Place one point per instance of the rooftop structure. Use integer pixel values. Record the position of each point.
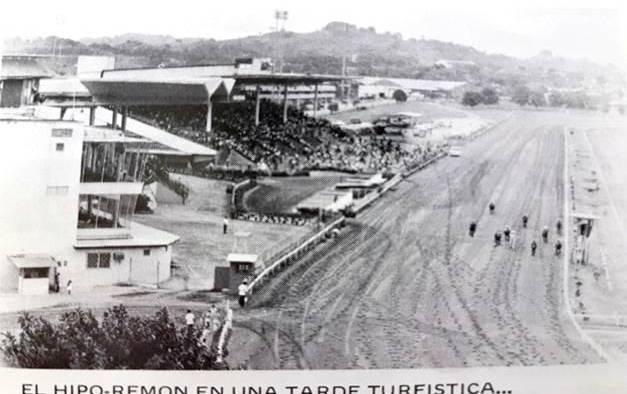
(384, 87)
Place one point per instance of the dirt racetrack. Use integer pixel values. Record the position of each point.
(405, 286)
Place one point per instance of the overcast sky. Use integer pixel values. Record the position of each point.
(575, 28)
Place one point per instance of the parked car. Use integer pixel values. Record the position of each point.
(454, 151)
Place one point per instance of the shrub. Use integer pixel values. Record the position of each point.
(399, 95)
(118, 341)
(489, 96)
(472, 99)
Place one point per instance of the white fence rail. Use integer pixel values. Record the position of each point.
(235, 188)
(294, 254)
(226, 327)
(615, 320)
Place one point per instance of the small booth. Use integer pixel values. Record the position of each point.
(242, 266)
(242, 263)
(583, 223)
(36, 273)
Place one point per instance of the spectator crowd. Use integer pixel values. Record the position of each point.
(302, 143)
(272, 219)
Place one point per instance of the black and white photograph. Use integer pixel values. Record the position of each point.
(281, 185)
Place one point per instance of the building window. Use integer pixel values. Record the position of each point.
(60, 147)
(98, 260)
(146, 252)
(105, 260)
(57, 190)
(62, 133)
(92, 260)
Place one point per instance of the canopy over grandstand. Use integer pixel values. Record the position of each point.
(195, 85)
(133, 91)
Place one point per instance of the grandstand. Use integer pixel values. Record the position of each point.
(230, 110)
(232, 114)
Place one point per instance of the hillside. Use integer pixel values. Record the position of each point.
(367, 51)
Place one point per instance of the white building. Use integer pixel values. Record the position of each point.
(68, 196)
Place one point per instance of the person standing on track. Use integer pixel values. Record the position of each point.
(558, 227)
(512, 240)
(190, 320)
(472, 228)
(225, 225)
(492, 207)
(545, 234)
(534, 246)
(558, 247)
(497, 238)
(242, 291)
(525, 219)
(507, 232)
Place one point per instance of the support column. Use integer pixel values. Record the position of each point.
(92, 116)
(116, 212)
(208, 125)
(316, 100)
(257, 104)
(124, 116)
(285, 103)
(114, 118)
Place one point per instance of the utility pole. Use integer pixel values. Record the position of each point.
(343, 77)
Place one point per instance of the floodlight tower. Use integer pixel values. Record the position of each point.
(280, 16)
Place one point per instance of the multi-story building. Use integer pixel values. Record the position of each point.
(68, 197)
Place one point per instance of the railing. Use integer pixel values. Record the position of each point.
(420, 166)
(224, 333)
(234, 173)
(372, 196)
(235, 190)
(276, 253)
(616, 320)
(295, 253)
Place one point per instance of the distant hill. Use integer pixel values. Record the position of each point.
(367, 51)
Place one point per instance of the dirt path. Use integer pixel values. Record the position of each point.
(405, 286)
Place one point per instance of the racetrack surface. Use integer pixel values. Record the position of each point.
(405, 286)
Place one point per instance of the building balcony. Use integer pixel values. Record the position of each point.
(134, 235)
(107, 188)
(93, 234)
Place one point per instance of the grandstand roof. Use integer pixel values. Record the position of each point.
(153, 89)
(134, 91)
(63, 87)
(281, 79)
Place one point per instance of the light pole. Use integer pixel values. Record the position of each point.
(280, 16)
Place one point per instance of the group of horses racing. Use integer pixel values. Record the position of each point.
(508, 235)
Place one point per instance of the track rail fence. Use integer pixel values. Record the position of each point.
(293, 256)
